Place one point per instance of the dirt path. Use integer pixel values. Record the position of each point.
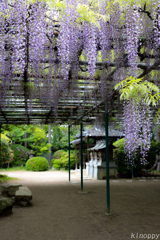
(58, 211)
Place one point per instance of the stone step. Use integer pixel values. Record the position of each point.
(9, 189)
(6, 205)
(23, 194)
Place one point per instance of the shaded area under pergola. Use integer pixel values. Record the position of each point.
(71, 109)
(85, 102)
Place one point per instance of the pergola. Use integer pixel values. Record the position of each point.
(81, 103)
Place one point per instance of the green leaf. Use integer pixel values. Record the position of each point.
(137, 89)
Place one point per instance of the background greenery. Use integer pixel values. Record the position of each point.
(21, 155)
(6, 153)
(124, 168)
(61, 160)
(35, 138)
(21, 141)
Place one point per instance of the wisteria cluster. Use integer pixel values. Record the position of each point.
(137, 130)
(40, 49)
(132, 31)
(156, 23)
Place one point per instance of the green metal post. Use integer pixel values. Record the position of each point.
(69, 163)
(107, 164)
(0, 143)
(81, 157)
(49, 141)
(132, 164)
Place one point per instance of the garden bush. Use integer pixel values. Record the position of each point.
(37, 164)
(61, 159)
(6, 152)
(57, 163)
(58, 154)
(124, 169)
(21, 155)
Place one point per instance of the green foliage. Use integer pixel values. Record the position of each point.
(37, 164)
(14, 132)
(124, 169)
(119, 143)
(37, 136)
(5, 178)
(61, 159)
(88, 15)
(58, 154)
(10, 169)
(138, 90)
(5, 137)
(59, 137)
(21, 155)
(6, 153)
(132, 88)
(57, 163)
(157, 117)
(154, 150)
(38, 140)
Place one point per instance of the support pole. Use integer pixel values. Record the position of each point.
(81, 156)
(0, 144)
(69, 168)
(76, 157)
(132, 164)
(107, 163)
(49, 141)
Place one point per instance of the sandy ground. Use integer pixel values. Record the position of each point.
(59, 212)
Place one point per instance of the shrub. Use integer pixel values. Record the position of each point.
(124, 170)
(21, 155)
(61, 159)
(57, 163)
(6, 152)
(58, 154)
(37, 164)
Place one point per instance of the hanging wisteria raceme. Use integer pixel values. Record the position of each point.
(105, 34)
(105, 42)
(4, 66)
(137, 130)
(130, 124)
(132, 31)
(90, 36)
(145, 132)
(26, 38)
(156, 23)
(68, 42)
(63, 47)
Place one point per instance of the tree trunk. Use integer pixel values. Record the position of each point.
(25, 143)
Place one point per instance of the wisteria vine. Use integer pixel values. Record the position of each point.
(40, 49)
(137, 130)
